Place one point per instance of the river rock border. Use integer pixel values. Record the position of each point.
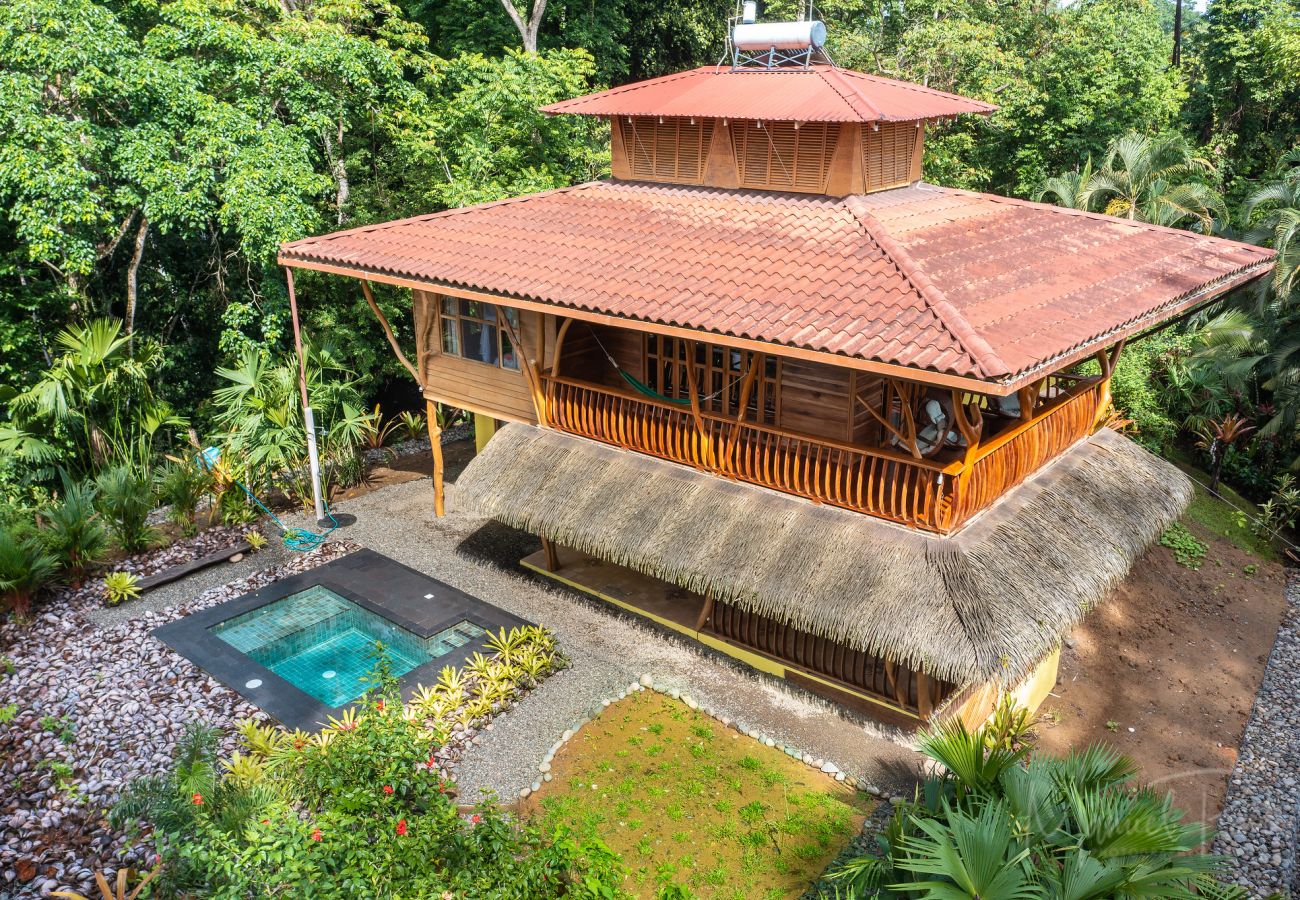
(1261, 812)
(648, 683)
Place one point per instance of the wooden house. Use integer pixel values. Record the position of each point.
(767, 387)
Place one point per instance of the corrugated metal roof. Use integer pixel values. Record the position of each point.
(816, 94)
(932, 278)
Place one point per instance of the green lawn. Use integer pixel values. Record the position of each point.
(689, 803)
(1219, 517)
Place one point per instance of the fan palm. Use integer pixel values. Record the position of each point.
(1272, 214)
(25, 569)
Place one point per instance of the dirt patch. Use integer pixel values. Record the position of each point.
(685, 801)
(456, 456)
(1167, 668)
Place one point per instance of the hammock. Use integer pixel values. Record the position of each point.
(640, 386)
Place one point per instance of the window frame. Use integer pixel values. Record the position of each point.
(455, 312)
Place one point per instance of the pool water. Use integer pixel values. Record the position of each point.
(324, 644)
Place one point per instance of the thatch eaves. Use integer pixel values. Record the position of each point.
(984, 604)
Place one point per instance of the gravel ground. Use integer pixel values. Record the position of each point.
(1258, 826)
(609, 650)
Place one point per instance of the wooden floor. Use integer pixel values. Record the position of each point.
(679, 610)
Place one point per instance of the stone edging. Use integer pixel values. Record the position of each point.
(647, 683)
(1261, 812)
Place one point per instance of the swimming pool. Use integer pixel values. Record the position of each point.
(328, 646)
(304, 647)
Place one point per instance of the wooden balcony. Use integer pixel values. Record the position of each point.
(933, 495)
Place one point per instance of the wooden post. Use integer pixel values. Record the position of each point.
(550, 555)
(924, 698)
(388, 333)
(706, 610)
(527, 365)
(435, 444)
(692, 385)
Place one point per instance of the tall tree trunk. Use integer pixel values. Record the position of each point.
(132, 280)
(527, 30)
(1178, 34)
(338, 168)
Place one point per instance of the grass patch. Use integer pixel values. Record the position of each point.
(697, 808)
(1222, 519)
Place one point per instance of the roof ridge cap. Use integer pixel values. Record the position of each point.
(852, 88)
(850, 74)
(981, 352)
(440, 214)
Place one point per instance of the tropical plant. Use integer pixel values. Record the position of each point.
(125, 498)
(380, 432)
(73, 530)
(1157, 179)
(256, 540)
(260, 408)
(1272, 214)
(1217, 438)
(120, 587)
(97, 394)
(996, 822)
(182, 485)
(26, 568)
(414, 424)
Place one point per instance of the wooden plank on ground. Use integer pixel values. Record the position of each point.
(166, 576)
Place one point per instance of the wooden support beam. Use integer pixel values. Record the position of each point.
(706, 610)
(527, 364)
(388, 333)
(435, 445)
(550, 555)
(559, 345)
(924, 694)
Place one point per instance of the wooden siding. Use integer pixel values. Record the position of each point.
(815, 399)
(467, 384)
(811, 157)
(891, 155)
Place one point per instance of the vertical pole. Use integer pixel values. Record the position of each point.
(435, 444)
(309, 420)
(550, 555)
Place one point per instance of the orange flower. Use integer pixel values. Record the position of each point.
(380, 706)
(197, 799)
(401, 828)
(475, 819)
(315, 835)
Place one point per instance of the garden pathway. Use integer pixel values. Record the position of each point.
(608, 650)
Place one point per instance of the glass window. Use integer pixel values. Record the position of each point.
(470, 330)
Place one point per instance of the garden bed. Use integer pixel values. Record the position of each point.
(687, 801)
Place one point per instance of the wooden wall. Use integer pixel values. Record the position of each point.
(475, 386)
(811, 157)
(815, 399)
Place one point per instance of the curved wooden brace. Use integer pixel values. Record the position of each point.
(388, 333)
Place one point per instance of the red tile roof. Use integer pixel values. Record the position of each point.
(925, 277)
(816, 94)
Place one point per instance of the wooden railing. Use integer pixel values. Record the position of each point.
(916, 492)
(1014, 455)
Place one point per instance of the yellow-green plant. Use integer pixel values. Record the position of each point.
(255, 539)
(413, 423)
(245, 770)
(260, 740)
(120, 587)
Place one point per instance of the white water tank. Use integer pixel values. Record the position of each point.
(781, 35)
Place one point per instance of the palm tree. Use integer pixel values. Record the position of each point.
(1158, 179)
(1219, 436)
(1272, 214)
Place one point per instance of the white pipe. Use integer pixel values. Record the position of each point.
(313, 462)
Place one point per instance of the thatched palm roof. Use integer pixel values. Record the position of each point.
(986, 603)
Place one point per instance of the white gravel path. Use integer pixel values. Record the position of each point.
(609, 650)
(1261, 812)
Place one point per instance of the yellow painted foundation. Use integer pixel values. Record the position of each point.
(484, 428)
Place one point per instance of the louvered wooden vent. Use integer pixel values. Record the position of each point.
(887, 154)
(777, 156)
(673, 150)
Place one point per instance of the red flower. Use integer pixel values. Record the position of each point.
(380, 706)
(315, 835)
(401, 828)
(197, 799)
(266, 821)
(475, 819)
(388, 789)
(432, 762)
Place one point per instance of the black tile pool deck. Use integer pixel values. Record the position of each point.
(252, 642)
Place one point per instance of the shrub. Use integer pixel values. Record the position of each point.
(1188, 550)
(1000, 823)
(414, 425)
(73, 530)
(125, 498)
(182, 485)
(26, 568)
(120, 587)
(360, 810)
(1139, 388)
